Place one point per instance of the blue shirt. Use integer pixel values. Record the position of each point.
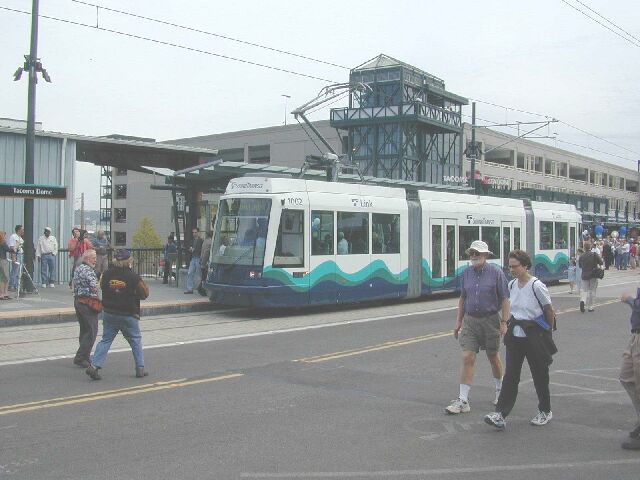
(483, 290)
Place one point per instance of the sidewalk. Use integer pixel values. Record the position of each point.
(55, 305)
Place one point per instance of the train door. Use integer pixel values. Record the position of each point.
(510, 240)
(353, 259)
(443, 253)
(573, 235)
(290, 258)
(323, 288)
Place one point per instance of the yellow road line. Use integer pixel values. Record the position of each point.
(373, 348)
(150, 387)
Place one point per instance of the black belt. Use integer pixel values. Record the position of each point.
(635, 330)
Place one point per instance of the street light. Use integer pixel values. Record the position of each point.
(285, 106)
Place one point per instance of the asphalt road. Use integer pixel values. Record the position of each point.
(360, 396)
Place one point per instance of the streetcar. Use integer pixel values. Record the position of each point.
(282, 242)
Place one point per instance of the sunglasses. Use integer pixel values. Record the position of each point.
(473, 253)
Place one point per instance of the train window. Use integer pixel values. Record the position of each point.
(561, 237)
(451, 250)
(572, 242)
(491, 236)
(290, 242)
(322, 232)
(516, 238)
(353, 233)
(546, 235)
(506, 245)
(385, 233)
(436, 251)
(467, 236)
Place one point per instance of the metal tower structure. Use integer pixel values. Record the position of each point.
(106, 195)
(405, 126)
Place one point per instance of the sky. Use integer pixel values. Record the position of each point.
(541, 57)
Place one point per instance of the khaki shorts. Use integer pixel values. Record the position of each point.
(480, 333)
(630, 369)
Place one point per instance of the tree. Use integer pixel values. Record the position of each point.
(146, 236)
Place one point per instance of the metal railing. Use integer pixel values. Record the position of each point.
(147, 262)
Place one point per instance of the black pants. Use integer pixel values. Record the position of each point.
(517, 350)
(88, 320)
(167, 271)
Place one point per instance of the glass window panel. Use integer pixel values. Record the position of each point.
(451, 250)
(561, 237)
(322, 232)
(385, 233)
(290, 242)
(491, 236)
(467, 236)
(546, 235)
(436, 251)
(506, 245)
(516, 238)
(353, 233)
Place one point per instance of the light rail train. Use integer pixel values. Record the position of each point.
(281, 242)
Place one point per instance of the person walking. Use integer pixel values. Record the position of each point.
(630, 369)
(5, 251)
(15, 243)
(483, 309)
(122, 290)
(87, 306)
(204, 262)
(528, 336)
(101, 246)
(46, 253)
(168, 253)
(589, 262)
(607, 254)
(194, 264)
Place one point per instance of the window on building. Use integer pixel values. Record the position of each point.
(521, 163)
(121, 171)
(537, 163)
(385, 233)
(353, 233)
(121, 191)
(120, 238)
(290, 242)
(231, 155)
(322, 240)
(120, 215)
(260, 154)
(578, 173)
(499, 156)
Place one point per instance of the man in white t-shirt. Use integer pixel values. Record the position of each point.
(15, 243)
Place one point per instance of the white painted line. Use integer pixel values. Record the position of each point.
(448, 471)
(574, 394)
(569, 372)
(244, 335)
(592, 390)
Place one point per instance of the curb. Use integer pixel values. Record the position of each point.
(68, 314)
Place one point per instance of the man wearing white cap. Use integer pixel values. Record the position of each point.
(46, 252)
(483, 311)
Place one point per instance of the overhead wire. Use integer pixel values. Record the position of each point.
(607, 20)
(632, 42)
(175, 45)
(213, 34)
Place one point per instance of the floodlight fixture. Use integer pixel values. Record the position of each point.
(18, 74)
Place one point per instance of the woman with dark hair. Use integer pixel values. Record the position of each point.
(528, 336)
(4, 266)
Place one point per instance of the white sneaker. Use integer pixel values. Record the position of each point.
(495, 400)
(495, 419)
(52, 285)
(541, 418)
(458, 406)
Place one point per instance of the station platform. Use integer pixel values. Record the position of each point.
(55, 305)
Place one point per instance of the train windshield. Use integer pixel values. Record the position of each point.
(241, 231)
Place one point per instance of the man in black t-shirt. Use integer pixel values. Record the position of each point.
(589, 262)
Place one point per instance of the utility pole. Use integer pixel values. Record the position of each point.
(82, 211)
(473, 145)
(33, 66)
(285, 106)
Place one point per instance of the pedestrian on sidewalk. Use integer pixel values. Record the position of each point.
(101, 245)
(630, 369)
(78, 244)
(15, 243)
(169, 253)
(87, 305)
(528, 336)
(47, 252)
(122, 290)
(483, 309)
(194, 264)
(204, 262)
(571, 274)
(589, 262)
(5, 251)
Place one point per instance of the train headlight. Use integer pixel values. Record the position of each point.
(254, 275)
